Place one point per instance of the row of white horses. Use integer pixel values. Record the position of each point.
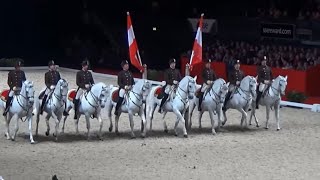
(142, 100)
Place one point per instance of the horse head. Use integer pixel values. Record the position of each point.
(189, 86)
(100, 93)
(281, 82)
(62, 89)
(249, 84)
(28, 92)
(220, 88)
(146, 89)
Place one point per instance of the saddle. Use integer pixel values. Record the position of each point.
(266, 90)
(4, 95)
(72, 94)
(115, 96)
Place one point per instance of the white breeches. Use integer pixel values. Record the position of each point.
(121, 93)
(11, 93)
(232, 87)
(204, 87)
(79, 93)
(262, 87)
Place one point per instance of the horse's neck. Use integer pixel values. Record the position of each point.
(181, 92)
(22, 93)
(274, 89)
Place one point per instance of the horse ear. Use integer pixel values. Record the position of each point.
(228, 84)
(195, 78)
(257, 77)
(286, 78)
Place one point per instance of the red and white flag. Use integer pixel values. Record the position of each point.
(133, 46)
(196, 55)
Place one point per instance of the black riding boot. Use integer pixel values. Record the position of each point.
(65, 113)
(259, 94)
(43, 103)
(76, 107)
(8, 102)
(119, 103)
(200, 100)
(165, 97)
(224, 108)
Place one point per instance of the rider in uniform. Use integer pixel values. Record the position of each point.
(125, 82)
(15, 79)
(234, 78)
(51, 78)
(208, 76)
(172, 77)
(264, 79)
(84, 82)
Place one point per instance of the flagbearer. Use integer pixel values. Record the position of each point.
(172, 77)
(208, 76)
(125, 82)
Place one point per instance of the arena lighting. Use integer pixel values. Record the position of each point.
(154, 28)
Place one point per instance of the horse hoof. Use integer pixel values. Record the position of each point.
(47, 133)
(117, 133)
(110, 129)
(200, 127)
(250, 124)
(223, 123)
(278, 129)
(166, 131)
(33, 142)
(133, 137)
(185, 136)
(258, 126)
(266, 128)
(175, 134)
(54, 135)
(12, 139)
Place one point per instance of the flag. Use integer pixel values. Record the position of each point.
(196, 55)
(133, 46)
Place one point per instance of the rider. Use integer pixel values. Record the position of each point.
(15, 80)
(264, 79)
(208, 76)
(84, 82)
(125, 82)
(172, 77)
(234, 78)
(51, 78)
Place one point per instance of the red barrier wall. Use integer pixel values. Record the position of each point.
(302, 81)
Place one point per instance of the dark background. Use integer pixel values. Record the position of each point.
(40, 30)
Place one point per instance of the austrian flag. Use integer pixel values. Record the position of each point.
(133, 46)
(196, 55)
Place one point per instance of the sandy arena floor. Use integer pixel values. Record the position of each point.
(256, 153)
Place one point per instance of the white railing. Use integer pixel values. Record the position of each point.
(314, 107)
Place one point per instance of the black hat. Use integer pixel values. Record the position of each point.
(51, 63)
(172, 60)
(208, 61)
(85, 63)
(18, 64)
(124, 62)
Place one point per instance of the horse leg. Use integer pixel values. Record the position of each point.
(186, 118)
(57, 121)
(37, 123)
(276, 111)
(87, 116)
(30, 129)
(165, 127)
(199, 119)
(116, 125)
(131, 125)
(48, 126)
(268, 115)
(191, 109)
(16, 128)
(150, 115)
(219, 119)
(212, 122)
(243, 117)
(101, 124)
(64, 122)
(76, 122)
(143, 123)
(253, 114)
(224, 117)
(110, 117)
(7, 121)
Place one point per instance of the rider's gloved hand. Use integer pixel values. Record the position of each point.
(14, 88)
(209, 82)
(266, 81)
(175, 82)
(238, 83)
(87, 86)
(52, 87)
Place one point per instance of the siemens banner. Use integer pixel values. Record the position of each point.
(277, 30)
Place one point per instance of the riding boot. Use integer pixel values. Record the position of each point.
(8, 102)
(224, 108)
(119, 103)
(259, 94)
(165, 97)
(43, 103)
(200, 100)
(76, 107)
(65, 113)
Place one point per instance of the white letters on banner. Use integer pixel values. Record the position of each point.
(207, 24)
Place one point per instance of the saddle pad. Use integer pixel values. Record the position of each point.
(197, 92)
(72, 94)
(4, 95)
(158, 91)
(115, 95)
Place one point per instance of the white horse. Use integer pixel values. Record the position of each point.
(55, 106)
(242, 98)
(133, 103)
(271, 99)
(21, 106)
(91, 103)
(212, 102)
(178, 104)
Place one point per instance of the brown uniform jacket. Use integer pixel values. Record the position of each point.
(172, 74)
(83, 78)
(264, 73)
(208, 74)
(15, 78)
(51, 78)
(235, 75)
(125, 78)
